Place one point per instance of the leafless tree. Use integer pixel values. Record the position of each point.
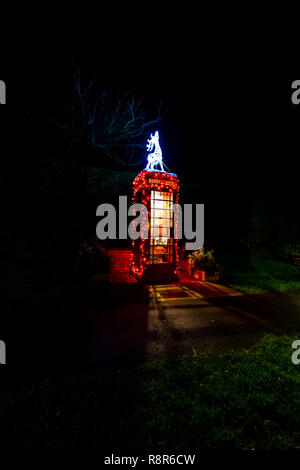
(116, 125)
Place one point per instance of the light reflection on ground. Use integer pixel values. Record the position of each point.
(190, 290)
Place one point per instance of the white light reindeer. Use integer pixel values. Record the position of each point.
(154, 158)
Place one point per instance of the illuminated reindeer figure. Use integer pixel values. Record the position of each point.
(154, 158)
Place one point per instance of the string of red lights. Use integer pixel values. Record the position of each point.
(144, 183)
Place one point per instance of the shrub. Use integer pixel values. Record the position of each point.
(204, 260)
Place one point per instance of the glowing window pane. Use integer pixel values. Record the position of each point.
(161, 238)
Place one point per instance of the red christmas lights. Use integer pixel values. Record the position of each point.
(143, 185)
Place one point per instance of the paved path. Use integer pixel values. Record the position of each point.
(133, 322)
(196, 316)
(184, 317)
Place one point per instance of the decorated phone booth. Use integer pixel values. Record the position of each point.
(155, 258)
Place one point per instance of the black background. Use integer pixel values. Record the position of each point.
(227, 124)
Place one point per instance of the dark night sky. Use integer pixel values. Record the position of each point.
(230, 124)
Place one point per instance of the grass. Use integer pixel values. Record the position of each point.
(239, 400)
(260, 271)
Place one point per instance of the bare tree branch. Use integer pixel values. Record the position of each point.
(116, 125)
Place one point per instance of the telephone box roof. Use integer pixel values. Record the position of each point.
(152, 178)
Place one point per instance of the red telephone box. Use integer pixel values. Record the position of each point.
(156, 257)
